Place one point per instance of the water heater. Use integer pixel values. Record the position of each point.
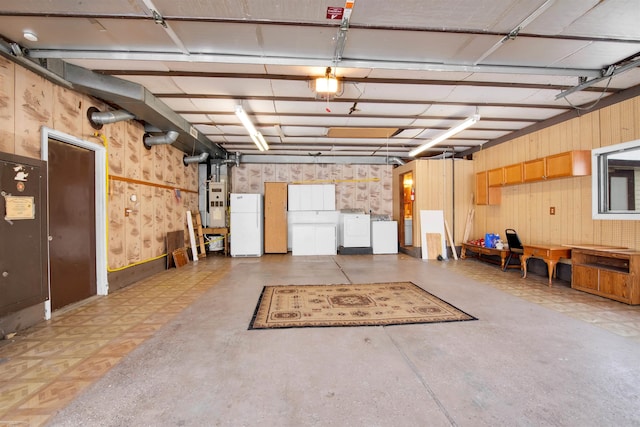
(217, 204)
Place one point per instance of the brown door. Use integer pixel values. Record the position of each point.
(23, 231)
(275, 218)
(72, 250)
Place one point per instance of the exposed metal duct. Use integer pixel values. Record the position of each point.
(396, 160)
(98, 118)
(136, 99)
(168, 138)
(295, 159)
(235, 160)
(195, 159)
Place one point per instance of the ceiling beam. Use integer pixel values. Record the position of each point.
(359, 100)
(196, 57)
(346, 79)
(359, 115)
(266, 125)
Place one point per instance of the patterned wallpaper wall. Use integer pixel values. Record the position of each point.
(366, 187)
(137, 229)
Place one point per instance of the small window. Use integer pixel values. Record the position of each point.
(616, 181)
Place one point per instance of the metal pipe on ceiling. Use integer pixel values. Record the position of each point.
(187, 160)
(168, 138)
(396, 160)
(107, 117)
(295, 159)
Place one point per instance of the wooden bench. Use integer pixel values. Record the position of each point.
(481, 250)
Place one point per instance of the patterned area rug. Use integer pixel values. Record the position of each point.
(370, 304)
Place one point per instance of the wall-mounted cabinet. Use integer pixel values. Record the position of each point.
(508, 175)
(513, 174)
(312, 197)
(562, 165)
(534, 170)
(486, 195)
(571, 163)
(495, 177)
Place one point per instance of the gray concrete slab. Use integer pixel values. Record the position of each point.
(519, 364)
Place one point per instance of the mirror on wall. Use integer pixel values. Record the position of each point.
(616, 181)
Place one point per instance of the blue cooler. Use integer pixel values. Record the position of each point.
(490, 240)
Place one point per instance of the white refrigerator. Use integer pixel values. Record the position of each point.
(246, 223)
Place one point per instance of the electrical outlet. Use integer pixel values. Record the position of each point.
(552, 210)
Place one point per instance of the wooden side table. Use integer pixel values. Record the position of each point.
(481, 250)
(550, 254)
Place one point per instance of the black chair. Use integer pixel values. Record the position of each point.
(515, 245)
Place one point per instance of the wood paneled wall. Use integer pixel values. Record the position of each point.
(28, 101)
(366, 187)
(443, 184)
(525, 207)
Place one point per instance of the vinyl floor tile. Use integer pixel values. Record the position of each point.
(43, 369)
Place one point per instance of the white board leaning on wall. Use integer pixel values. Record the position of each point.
(432, 222)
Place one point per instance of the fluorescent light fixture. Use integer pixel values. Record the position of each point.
(448, 134)
(256, 136)
(327, 83)
(258, 139)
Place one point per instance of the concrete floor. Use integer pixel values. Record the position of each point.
(520, 364)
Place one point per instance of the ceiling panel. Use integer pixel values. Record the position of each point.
(478, 14)
(209, 130)
(297, 11)
(83, 33)
(195, 118)
(399, 45)
(412, 92)
(609, 19)
(293, 131)
(536, 51)
(112, 7)
(418, 66)
(156, 84)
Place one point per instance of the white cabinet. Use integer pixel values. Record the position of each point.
(312, 197)
(384, 237)
(310, 217)
(313, 239)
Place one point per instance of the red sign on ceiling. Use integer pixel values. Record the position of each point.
(335, 12)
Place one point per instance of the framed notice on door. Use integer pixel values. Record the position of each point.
(19, 207)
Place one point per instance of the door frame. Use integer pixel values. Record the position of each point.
(100, 157)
